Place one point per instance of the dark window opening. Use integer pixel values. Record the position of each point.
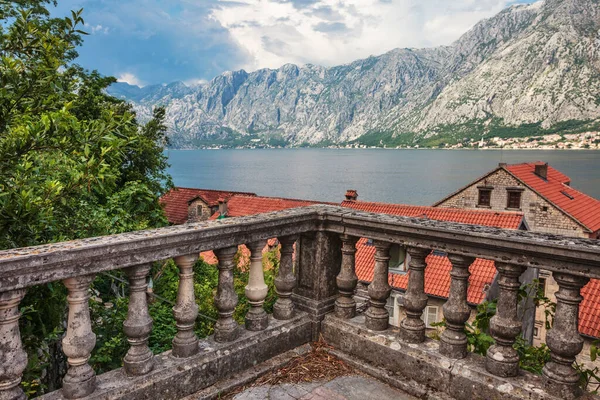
(514, 200)
(542, 286)
(535, 332)
(544, 208)
(485, 197)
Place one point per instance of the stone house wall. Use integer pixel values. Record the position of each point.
(540, 215)
(198, 211)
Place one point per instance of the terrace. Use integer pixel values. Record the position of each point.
(315, 300)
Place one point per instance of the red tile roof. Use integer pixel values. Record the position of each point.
(580, 206)
(175, 202)
(506, 220)
(589, 309)
(239, 205)
(437, 274)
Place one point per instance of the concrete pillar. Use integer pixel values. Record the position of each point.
(13, 358)
(79, 341)
(563, 339)
(285, 281)
(185, 343)
(139, 359)
(256, 290)
(412, 327)
(376, 316)
(453, 341)
(345, 306)
(502, 359)
(226, 329)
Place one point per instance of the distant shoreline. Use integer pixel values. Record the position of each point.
(373, 148)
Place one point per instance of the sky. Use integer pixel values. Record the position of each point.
(146, 42)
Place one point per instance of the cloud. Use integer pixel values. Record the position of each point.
(332, 32)
(130, 79)
(157, 41)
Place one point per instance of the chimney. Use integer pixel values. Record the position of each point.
(502, 164)
(541, 170)
(222, 207)
(351, 195)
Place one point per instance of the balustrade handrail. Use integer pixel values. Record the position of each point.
(30, 266)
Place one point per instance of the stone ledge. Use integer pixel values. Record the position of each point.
(174, 378)
(422, 364)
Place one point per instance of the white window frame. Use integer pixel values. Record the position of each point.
(425, 316)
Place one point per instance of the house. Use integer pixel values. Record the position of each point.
(183, 205)
(542, 193)
(545, 197)
(437, 273)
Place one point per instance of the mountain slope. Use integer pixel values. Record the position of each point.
(530, 64)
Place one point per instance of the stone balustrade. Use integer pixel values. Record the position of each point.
(318, 245)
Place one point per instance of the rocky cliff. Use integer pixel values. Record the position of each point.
(531, 65)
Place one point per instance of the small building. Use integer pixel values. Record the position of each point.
(545, 197)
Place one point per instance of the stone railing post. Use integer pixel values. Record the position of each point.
(453, 341)
(226, 329)
(79, 340)
(502, 359)
(139, 359)
(319, 259)
(564, 339)
(412, 327)
(345, 306)
(286, 280)
(256, 290)
(13, 358)
(185, 343)
(376, 316)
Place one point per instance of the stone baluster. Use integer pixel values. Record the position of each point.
(502, 359)
(286, 280)
(256, 290)
(564, 339)
(185, 343)
(139, 359)
(79, 340)
(376, 316)
(412, 327)
(226, 329)
(13, 358)
(453, 341)
(345, 306)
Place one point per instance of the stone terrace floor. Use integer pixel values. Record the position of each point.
(351, 387)
(310, 373)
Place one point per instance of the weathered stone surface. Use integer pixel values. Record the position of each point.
(226, 329)
(256, 290)
(376, 316)
(453, 341)
(429, 374)
(285, 281)
(138, 325)
(13, 359)
(185, 343)
(502, 359)
(174, 378)
(415, 299)
(564, 339)
(79, 341)
(345, 306)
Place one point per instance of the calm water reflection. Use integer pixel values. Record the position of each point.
(395, 176)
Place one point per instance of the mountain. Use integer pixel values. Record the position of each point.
(530, 69)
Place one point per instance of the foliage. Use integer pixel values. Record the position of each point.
(74, 163)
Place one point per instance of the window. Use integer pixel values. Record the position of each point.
(485, 197)
(514, 200)
(544, 208)
(430, 316)
(536, 332)
(397, 259)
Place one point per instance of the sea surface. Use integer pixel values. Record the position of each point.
(419, 177)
